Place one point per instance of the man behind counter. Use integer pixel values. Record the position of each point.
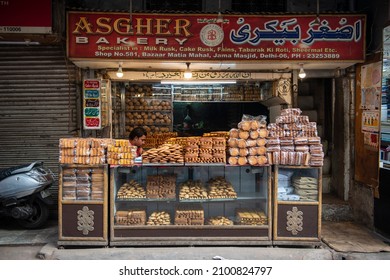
(137, 138)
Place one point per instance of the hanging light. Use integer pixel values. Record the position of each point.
(188, 73)
(219, 17)
(302, 73)
(119, 73)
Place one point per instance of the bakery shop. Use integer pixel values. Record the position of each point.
(238, 130)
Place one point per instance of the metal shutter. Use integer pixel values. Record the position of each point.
(38, 88)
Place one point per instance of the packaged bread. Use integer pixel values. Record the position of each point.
(252, 151)
(254, 134)
(261, 150)
(234, 152)
(241, 143)
(254, 125)
(243, 152)
(291, 111)
(250, 143)
(233, 160)
(261, 142)
(263, 133)
(243, 134)
(244, 125)
(262, 160)
(233, 133)
(252, 160)
(242, 160)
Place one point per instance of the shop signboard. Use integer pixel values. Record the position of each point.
(92, 104)
(26, 17)
(336, 37)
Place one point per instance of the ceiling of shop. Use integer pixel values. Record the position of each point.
(214, 66)
(312, 68)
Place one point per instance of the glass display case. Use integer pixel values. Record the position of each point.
(190, 205)
(297, 199)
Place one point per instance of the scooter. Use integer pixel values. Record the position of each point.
(24, 194)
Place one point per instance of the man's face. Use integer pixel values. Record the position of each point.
(139, 141)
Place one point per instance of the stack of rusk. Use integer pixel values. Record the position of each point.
(189, 214)
(293, 140)
(121, 152)
(246, 216)
(161, 186)
(131, 217)
(88, 151)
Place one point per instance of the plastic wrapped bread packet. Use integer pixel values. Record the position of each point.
(248, 141)
(299, 143)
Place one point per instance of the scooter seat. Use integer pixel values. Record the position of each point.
(4, 173)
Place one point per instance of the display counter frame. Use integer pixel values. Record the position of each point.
(83, 222)
(297, 223)
(175, 235)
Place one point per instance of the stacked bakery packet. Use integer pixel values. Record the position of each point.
(95, 151)
(296, 187)
(83, 183)
(293, 140)
(247, 142)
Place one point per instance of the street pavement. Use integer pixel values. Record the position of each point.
(20, 244)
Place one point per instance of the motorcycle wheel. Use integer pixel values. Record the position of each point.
(39, 216)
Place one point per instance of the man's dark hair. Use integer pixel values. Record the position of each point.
(137, 132)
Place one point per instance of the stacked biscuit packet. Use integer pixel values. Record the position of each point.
(94, 151)
(161, 186)
(247, 142)
(83, 150)
(82, 183)
(293, 140)
(205, 150)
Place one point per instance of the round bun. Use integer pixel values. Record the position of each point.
(261, 142)
(252, 160)
(255, 125)
(233, 160)
(254, 134)
(241, 143)
(263, 133)
(244, 125)
(243, 152)
(243, 134)
(262, 160)
(232, 143)
(261, 150)
(250, 143)
(233, 133)
(253, 151)
(242, 160)
(234, 152)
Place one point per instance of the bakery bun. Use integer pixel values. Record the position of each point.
(255, 125)
(261, 142)
(243, 134)
(241, 143)
(244, 125)
(233, 133)
(263, 133)
(243, 152)
(252, 160)
(232, 143)
(261, 160)
(261, 150)
(254, 134)
(234, 152)
(242, 160)
(233, 160)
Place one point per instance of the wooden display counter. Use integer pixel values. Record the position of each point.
(83, 205)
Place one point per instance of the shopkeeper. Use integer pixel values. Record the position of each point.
(137, 138)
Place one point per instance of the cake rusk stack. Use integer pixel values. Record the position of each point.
(293, 140)
(166, 153)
